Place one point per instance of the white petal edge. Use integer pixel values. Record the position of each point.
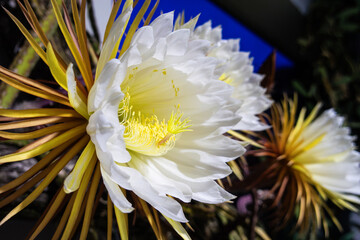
(116, 195)
(130, 179)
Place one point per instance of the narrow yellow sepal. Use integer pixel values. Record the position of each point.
(35, 23)
(47, 180)
(32, 90)
(312, 115)
(151, 14)
(79, 200)
(132, 29)
(122, 221)
(64, 218)
(244, 138)
(30, 123)
(44, 147)
(261, 232)
(90, 203)
(109, 218)
(35, 84)
(236, 169)
(72, 45)
(37, 167)
(39, 112)
(150, 218)
(314, 142)
(81, 34)
(55, 67)
(293, 137)
(191, 23)
(72, 181)
(28, 36)
(178, 228)
(40, 132)
(51, 212)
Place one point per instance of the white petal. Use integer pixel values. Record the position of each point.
(163, 25)
(221, 146)
(192, 165)
(143, 38)
(205, 31)
(131, 179)
(165, 185)
(116, 195)
(107, 85)
(104, 127)
(203, 189)
(335, 145)
(340, 177)
(160, 50)
(133, 56)
(338, 185)
(210, 192)
(237, 68)
(107, 134)
(177, 42)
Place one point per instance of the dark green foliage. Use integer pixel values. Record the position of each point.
(330, 72)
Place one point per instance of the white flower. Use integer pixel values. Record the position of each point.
(326, 150)
(311, 161)
(237, 70)
(157, 118)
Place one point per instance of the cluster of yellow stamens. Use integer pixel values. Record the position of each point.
(146, 134)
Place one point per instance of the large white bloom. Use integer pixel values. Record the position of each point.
(157, 118)
(237, 70)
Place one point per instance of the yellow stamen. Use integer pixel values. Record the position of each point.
(165, 139)
(225, 78)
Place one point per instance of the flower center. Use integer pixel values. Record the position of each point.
(148, 135)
